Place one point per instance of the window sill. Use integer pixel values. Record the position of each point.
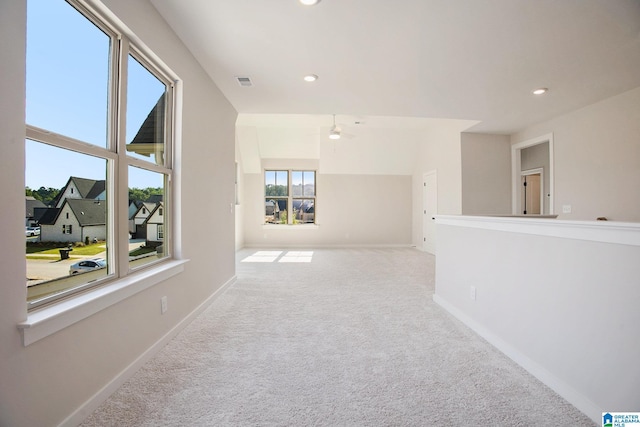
(290, 226)
(49, 320)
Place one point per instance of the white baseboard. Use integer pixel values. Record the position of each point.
(96, 400)
(326, 246)
(571, 395)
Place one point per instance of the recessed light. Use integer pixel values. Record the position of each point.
(310, 78)
(309, 2)
(540, 91)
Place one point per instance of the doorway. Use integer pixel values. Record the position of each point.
(532, 194)
(429, 210)
(544, 147)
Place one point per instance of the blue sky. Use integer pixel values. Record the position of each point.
(67, 88)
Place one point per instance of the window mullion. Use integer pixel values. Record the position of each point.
(143, 164)
(120, 168)
(61, 141)
(289, 197)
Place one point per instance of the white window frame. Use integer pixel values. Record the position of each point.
(290, 197)
(80, 302)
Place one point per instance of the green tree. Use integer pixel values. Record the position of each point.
(45, 195)
(143, 194)
(275, 190)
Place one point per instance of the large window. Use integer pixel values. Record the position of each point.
(98, 152)
(290, 197)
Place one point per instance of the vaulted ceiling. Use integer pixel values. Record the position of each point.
(383, 61)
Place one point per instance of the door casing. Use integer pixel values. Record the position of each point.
(429, 209)
(516, 171)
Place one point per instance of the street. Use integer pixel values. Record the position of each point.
(41, 270)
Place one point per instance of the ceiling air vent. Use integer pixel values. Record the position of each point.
(244, 81)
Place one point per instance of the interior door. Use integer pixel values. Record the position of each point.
(531, 194)
(429, 210)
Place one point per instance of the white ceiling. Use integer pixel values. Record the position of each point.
(442, 59)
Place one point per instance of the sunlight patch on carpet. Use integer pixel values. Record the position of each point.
(263, 256)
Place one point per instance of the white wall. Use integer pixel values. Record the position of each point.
(564, 306)
(45, 382)
(363, 183)
(374, 155)
(369, 210)
(486, 174)
(596, 158)
(438, 150)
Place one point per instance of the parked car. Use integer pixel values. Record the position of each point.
(32, 231)
(87, 265)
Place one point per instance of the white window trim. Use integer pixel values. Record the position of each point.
(290, 197)
(48, 320)
(289, 226)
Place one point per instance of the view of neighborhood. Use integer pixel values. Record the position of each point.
(284, 196)
(66, 233)
(276, 211)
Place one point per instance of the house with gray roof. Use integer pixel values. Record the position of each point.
(34, 209)
(150, 137)
(81, 188)
(74, 221)
(154, 226)
(137, 226)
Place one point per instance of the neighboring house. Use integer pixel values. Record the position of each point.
(137, 227)
(74, 221)
(34, 209)
(304, 210)
(78, 212)
(155, 199)
(134, 205)
(81, 188)
(154, 225)
(270, 209)
(150, 137)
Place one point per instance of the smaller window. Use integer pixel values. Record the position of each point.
(290, 197)
(67, 215)
(160, 211)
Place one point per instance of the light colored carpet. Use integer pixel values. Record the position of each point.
(352, 338)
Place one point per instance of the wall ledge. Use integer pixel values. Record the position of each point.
(290, 227)
(622, 233)
(49, 320)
